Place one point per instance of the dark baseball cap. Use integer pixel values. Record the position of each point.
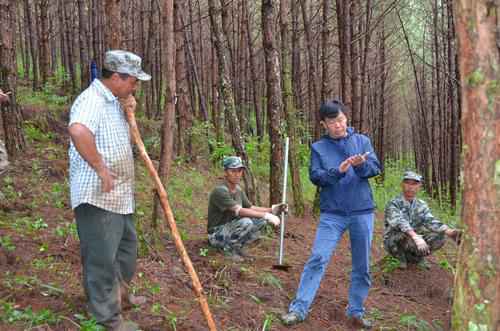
(331, 109)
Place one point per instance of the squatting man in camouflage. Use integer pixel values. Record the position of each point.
(233, 221)
(102, 187)
(411, 231)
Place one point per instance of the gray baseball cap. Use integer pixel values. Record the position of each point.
(125, 63)
(233, 162)
(410, 175)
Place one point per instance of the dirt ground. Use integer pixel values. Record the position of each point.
(43, 271)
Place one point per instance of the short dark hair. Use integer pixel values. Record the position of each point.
(105, 73)
(331, 109)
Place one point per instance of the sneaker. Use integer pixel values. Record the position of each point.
(359, 323)
(291, 318)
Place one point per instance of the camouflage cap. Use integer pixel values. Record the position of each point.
(233, 162)
(125, 63)
(410, 175)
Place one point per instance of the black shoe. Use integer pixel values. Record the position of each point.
(359, 323)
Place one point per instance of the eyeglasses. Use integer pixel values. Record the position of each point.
(338, 120)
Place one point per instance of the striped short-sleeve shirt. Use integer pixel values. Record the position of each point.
(99, 110)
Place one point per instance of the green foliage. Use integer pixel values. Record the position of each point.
(47, 98)
(389, 264)
(268, 322)
(66, 229)
(220, 150)
(6, 243)
(268, 279)
(88, 324)
(11, 314)
(35, 134)
(203, 251)
(411, 321)
(171, 318)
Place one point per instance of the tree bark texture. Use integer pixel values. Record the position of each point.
(477, 283)
(274, 101)
(227, 95)
(11, 116)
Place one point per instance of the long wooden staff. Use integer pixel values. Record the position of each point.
(170, 218)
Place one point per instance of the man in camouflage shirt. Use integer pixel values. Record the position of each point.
(232, 220)
(411, 231)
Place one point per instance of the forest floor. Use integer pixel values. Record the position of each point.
(40, 271)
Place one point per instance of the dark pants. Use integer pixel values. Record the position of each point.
(402, 246)
(108, 247)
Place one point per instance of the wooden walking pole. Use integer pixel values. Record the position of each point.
(136, 136)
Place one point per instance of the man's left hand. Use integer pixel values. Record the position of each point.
(279, 208)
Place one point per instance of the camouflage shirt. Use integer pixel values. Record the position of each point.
(402, 215)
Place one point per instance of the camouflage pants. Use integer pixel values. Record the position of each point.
(236, 234)
(402, 246)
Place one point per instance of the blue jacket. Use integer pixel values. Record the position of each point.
(346, 193)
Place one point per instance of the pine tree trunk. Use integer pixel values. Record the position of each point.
(113, 24)
(274, 101)
(289, 109)
(33, 49)
(83, 46)
(44, 41)
(477, 283)
(11, 115)
(228, 103)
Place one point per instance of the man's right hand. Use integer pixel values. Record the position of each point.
(107, 179)
(273, 219)
(421, 245)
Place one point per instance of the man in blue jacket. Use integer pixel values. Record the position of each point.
(341, 163)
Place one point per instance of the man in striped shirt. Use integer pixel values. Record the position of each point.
(102, 185)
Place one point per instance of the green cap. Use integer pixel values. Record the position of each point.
(233, 162)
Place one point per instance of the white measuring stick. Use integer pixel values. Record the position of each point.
(285, 177)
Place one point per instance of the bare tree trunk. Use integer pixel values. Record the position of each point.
(313, 89)
(274, 104)
(228, 103)
(259, 121)
(69, 43)
(289, 108)
(44, 40)
(84, 47)
(453, 104)
(343, 22)
(477, 298)
(325, 52)
(33, 49)
(113, 24)
(167, 140)
(185, 121)
(11, 116)
(353, 13)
